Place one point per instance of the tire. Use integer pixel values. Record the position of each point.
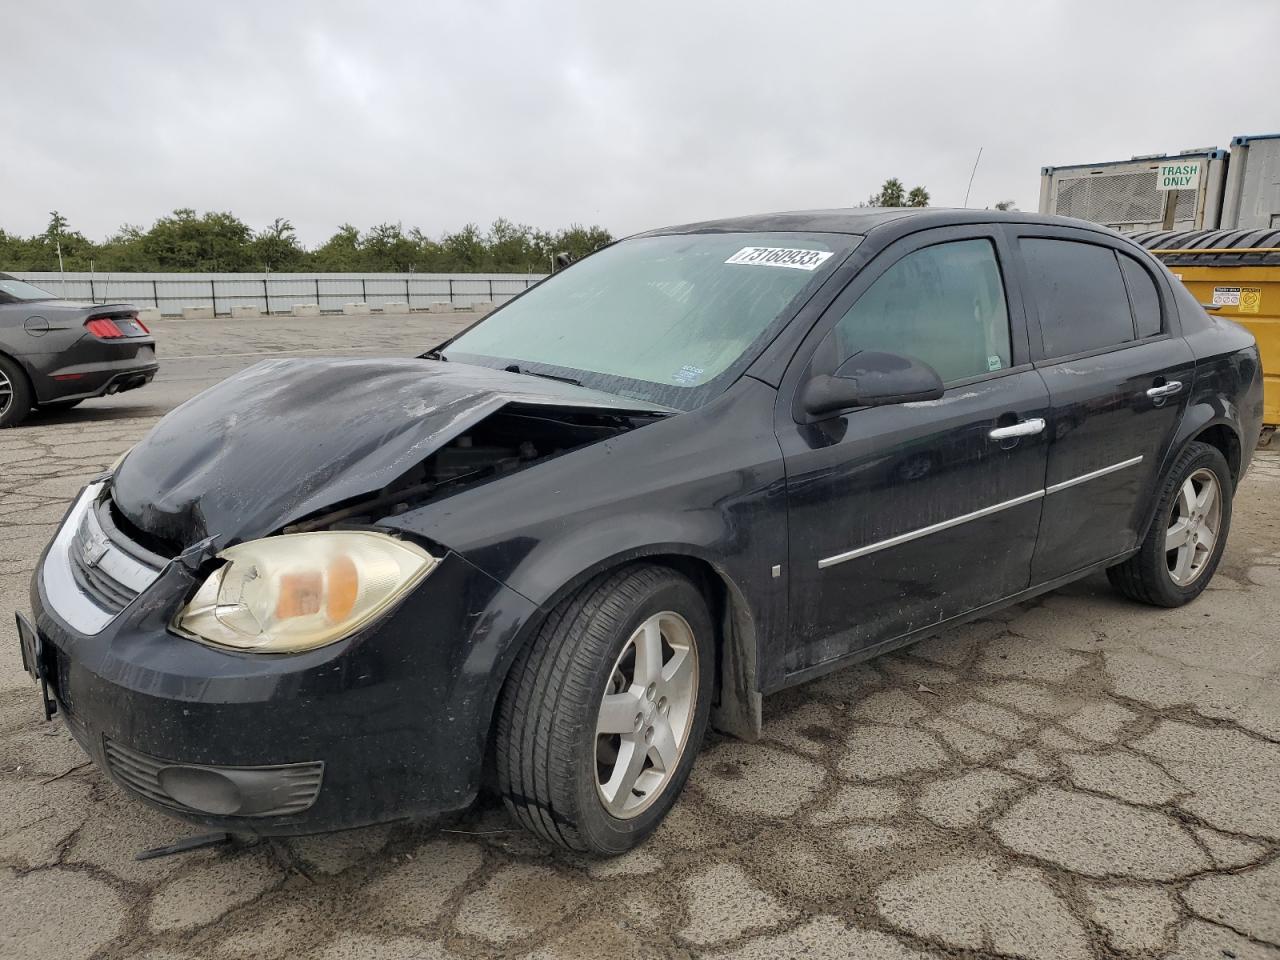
(1156, 574)
(15, 394)
(550, 757)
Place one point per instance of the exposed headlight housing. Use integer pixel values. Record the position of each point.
(299, 591)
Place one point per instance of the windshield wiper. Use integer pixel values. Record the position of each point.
(435, 353)
(515, 368)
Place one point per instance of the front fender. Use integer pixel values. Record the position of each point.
(707, 485)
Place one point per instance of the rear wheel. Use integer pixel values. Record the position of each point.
(15, 394)
(605, 710)
(1182, 549)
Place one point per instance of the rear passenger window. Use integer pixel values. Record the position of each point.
(1081, 295)
(944, 305)
(1143, 296)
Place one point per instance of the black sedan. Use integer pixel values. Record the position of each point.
(699, 466)
(55, 353)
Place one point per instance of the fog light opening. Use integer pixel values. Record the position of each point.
(202, 789)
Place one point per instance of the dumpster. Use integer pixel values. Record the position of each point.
(1238, 272)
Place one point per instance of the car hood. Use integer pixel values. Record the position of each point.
(286, 438)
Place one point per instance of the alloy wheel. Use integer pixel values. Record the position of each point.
(1194, 523)
(646, 714)
(6, 393)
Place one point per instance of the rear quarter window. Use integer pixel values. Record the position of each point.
(1143, 296)
(1081, 296)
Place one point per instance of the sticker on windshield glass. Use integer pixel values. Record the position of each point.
(688, 374)
(781, 257)
(994, 363)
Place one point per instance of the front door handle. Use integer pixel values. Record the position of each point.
(1026, 428)
(1165, 389)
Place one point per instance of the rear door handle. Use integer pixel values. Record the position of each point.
(1026, 428)
(1165, 389)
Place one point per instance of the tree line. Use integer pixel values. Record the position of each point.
(215, 242)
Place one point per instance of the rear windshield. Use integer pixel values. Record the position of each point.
(669, 319)
(13, 291)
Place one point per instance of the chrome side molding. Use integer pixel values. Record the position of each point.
(1086, 477)
(976, 514)
(925, 531)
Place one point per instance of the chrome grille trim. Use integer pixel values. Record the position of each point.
(88, 579)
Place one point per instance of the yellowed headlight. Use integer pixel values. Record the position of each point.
(299, 591)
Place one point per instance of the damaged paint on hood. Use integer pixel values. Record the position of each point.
(286, 438)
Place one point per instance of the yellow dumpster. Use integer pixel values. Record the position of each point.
(1237, 271)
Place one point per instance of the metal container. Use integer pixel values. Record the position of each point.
(1251, 200)
(1126, 194)
(1238, 272)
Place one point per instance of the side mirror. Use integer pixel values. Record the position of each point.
(871, 379)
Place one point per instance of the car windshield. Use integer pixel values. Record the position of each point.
(13, 291)
(669, 319)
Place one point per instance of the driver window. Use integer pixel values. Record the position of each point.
(943, 304)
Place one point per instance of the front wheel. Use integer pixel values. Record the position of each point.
(1186, 539)
(604, 711)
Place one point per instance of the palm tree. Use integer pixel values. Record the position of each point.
(918, 197)
(892, 194)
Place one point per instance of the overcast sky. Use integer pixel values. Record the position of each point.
(630, 116)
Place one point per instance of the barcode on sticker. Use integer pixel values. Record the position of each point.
(781, 257)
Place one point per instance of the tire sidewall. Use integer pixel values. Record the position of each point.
(1174, 594)
(20, 403)
(602, 830)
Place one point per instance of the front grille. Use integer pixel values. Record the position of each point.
(110, 573)
(294, 786)
(109, 594)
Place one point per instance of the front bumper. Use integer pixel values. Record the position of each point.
(388, 724)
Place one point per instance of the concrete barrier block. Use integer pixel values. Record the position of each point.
(395, 306)
(197, 313)
(246, 310)
(482, 306)
(441, 306)
(150, 314)
(306, 310)
(355, 309)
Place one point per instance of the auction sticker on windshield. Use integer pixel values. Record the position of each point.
(781, 257)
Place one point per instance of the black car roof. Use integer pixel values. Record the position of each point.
(863, 220)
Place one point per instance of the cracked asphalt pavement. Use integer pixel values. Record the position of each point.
(1076, 777)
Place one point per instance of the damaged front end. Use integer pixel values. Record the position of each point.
(252, 522)
(304, 445)
(517, 436)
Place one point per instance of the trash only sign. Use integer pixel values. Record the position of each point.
(1179, 176)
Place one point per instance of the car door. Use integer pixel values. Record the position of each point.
(902, 516)
(1118, 379)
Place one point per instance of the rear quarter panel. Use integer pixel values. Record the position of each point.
(1228, 386)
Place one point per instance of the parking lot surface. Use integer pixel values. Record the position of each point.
(1076, 777)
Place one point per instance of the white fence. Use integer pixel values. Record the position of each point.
(279, 292)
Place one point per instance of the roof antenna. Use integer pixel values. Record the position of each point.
(972, 172)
